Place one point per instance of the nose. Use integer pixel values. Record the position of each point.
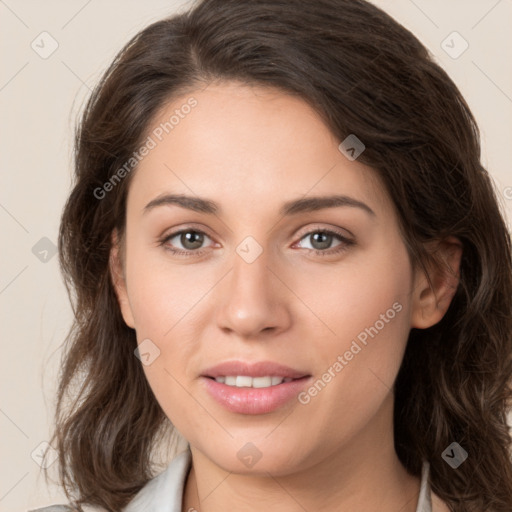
(253, 299)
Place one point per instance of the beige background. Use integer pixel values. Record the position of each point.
(39, 99)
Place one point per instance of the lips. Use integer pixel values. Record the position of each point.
(260, 399)
(258, 369)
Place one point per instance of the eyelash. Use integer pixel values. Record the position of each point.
(346, 243)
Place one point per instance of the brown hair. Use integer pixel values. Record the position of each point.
(364, 74)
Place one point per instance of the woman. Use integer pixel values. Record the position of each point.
(285, 252)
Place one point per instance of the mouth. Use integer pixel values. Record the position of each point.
(253, 388)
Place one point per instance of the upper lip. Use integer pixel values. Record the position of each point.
(258, 369)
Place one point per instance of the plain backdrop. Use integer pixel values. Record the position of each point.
(40, 95)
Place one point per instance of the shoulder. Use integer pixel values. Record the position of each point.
(164, 491)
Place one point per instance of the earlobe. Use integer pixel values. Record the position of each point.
(432, 299)
(119, 280)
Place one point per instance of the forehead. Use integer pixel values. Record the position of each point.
(247, 146)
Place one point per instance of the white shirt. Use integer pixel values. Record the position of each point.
(164, 493)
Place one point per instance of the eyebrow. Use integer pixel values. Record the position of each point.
(294, 207)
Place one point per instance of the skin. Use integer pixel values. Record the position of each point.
(250, 149)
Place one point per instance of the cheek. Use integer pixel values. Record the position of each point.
(368, 309)
(378, 311)
(162, 293)
(167, 301)
(365, 297)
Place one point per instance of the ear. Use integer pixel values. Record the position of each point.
(117, 274)
(432, 300)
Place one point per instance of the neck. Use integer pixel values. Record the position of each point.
(364, 474)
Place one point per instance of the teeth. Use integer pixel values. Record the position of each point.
(244, 381)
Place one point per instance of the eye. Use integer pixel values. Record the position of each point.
(190, 239)
(322, 239)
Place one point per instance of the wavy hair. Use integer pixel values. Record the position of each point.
(363, 73)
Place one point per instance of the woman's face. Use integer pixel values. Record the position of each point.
(258, 281)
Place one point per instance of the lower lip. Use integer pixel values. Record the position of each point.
(254, 400)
